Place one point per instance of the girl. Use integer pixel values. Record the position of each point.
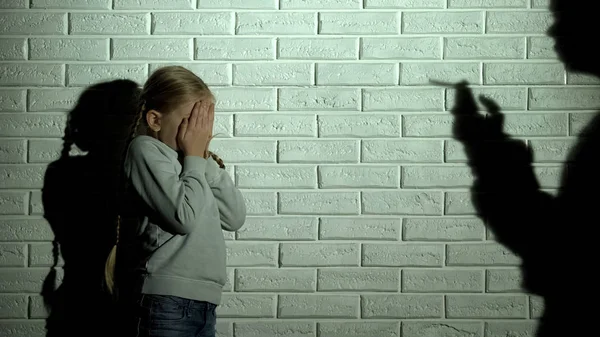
(171, 264)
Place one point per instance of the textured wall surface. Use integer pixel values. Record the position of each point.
(360, 223)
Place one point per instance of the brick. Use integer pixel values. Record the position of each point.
(224, 329)
(523, 73)
(36, 206)
(245, 99)
(408, 4)
(412, 73)
(442, 328)
(106, 23)
(525, 22)
(210, 73)
(402, 203)
(578, 121)
(563, 98)
(403, 99)
(443, 229)
(246, 306)
(320, 4)
(357, 74)
(401, 151)
(260, 203)
(44, 150)
(23, 328)
(153, 4)
(13, 49)
(401, 306)
(549, 177)
(402, 255)
(358, 279)
(172, 49)
(325, 99)
(276, 280)
(231, 48)
(317, 306)
(551, 150)
(321, 151)
(71, 4)
(88, 74)
(273, 74)
(486, 306)
(358, 23)
(280, 176)
(32, 125)
(446, 22)
(321, 48)
(356, 329)
(274, 329)
(540, 4)
(25, 230)
(223, 126)
(12, 255)
(408, 48)
(41, 255)
(319, 254)
(238, 4)
(358, 126)
(359, 229)
(536, 306)
(31, 22)
(427, 125)
(15, 74)
(436, 177)
(506, 98)
(540, 47)
(196, 23)
(13, 151)
(503, 280)
(511, 328)
(480, 254)
(335, 203)
(14, 4)
(22, 176)
(458, 203)
(69, 49)
(486, 48)
(454, 152)
(245, 151)
(13, 203)
(51, 100)
(580, 78)
(358, 176)
(13, 306)
(487, 3)
(244, 254)
(442, 281)
(280, 23)
(22, 280)
(13, 100)
(279, 228)
(536, 125)
(270, 125)
(37, 308)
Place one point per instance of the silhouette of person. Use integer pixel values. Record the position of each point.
(80, 198)
(551, 234)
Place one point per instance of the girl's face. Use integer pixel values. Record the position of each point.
(165, 126)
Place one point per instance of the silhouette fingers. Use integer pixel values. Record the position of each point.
(465, 104)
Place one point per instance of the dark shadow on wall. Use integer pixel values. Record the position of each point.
(80, 198)
(553, 235)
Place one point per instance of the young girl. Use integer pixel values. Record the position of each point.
(171, 263)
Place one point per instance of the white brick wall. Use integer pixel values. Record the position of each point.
(360, 221)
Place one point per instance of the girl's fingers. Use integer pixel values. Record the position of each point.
(194, 116)
(183, 128)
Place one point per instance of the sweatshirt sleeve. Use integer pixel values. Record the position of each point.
(231, 202)
(178, 199)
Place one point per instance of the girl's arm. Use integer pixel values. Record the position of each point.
(232, 205)
(180, 200)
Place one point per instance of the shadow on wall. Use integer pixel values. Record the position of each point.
(551, 234)
(80, 198)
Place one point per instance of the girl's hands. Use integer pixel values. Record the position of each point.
(195, 132)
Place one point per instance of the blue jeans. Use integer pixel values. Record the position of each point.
(171, 316)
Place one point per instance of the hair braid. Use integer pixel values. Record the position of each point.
(217, 159)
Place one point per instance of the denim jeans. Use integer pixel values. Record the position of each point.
(171, 316)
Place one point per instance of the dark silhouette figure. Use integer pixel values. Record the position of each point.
(81, 198)
(551, 234)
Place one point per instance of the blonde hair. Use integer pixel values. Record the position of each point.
(164, 91)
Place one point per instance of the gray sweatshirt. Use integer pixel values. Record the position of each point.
(178, 248)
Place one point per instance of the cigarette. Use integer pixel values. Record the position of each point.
(447, 84)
